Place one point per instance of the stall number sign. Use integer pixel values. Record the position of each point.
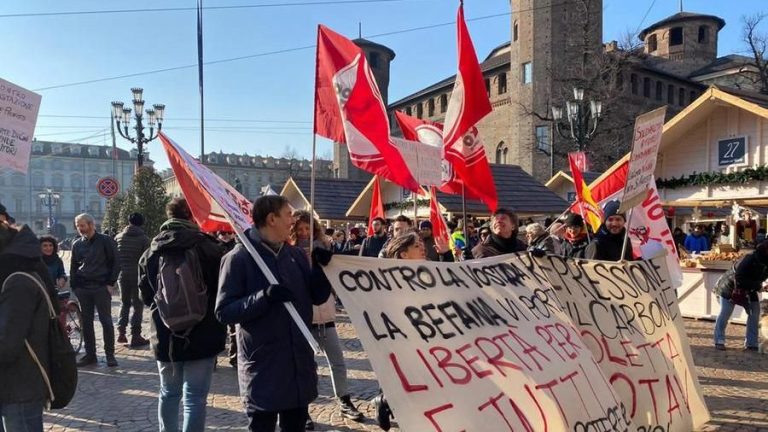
(732, 151)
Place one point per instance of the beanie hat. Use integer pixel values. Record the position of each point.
(574, 220)
(611, 208)
(425, 225)
(136, 219)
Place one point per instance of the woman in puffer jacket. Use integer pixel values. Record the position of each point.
(324, 321)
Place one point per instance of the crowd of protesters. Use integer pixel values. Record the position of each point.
(276, 368)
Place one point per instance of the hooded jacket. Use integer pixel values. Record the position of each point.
(131, 244)
(23, 315)
(747, 273)
(207, 337)
(276, 366)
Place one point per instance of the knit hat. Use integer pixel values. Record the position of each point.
(574, 220)
(425, 224)
(136, 219)
(611, 208)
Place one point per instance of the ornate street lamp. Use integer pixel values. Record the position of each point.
(122, 114)
(49, 199)
(582, 118)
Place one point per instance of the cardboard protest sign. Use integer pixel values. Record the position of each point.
(627, 315)
(423, 160)
(642, 161)
(18, 116)
(474, 346)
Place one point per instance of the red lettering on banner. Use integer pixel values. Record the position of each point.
(649, 382)
(569, 377)
(407, 386)
(431, 371)
(656, 211)
(524, 421)
(502, 338)
(671, 395)
(528, 349)
(672, 350)
(620, 376)
(538, 405)
(684, 393)
(550, 386)
(598, 345)
(447, 365)
(562, 342)
(612, 358)
(497, 359)
(430, 414)
(472, 360)
(628, 353)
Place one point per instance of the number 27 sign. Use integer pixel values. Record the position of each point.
(732, 151)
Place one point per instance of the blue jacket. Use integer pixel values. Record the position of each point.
(696, 244)
(276, 366)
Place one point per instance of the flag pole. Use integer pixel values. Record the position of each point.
(464, 217)
(626, 233)
(584, 218)
(200, 77)
(312, 194)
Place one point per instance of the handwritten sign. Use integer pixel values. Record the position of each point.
(476, 346)
(642, 160)
(18, 115)
(627, 315)
(423, 160)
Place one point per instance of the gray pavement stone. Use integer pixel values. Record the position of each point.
(735, 384)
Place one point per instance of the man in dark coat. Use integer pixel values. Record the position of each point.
(373, 244)
(131, 244)
(609, 240)
(23, 315)
(276, 365)
(575, 239)
(93, 272)
(430, 246)
(503, 238)
(185, 362)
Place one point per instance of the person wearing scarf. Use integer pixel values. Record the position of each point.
(609, 240)
(575, 238)
(503, 238)
(53, 262)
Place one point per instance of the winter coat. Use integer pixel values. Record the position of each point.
(207, 337)
(544, 242)
(276, 365)
(94, 262)
(696, 244)
(748, 274)
(607, 247)
(131, 244)
(494, 245)
(373, 245)
(55, 267)
(431, 252)
(575, 248)
(23, 315)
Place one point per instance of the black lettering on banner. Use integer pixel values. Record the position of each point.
(425, 277)
(452, 279)
(512, 309)
(529, 264)
(615, 420)
(425, 330)
(347, 280)
(604, 272)
(428, 324)
(389, 326)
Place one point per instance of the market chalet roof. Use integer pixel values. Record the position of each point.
(499, 57)
(332, 196)
(566, 176)
(516, 189)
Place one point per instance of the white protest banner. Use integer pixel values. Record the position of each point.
(18, 116)
(642, 160)
(474, 346)
(627, 314)
(423, 160)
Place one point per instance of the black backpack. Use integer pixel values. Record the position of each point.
(61, 377)
(181, 296)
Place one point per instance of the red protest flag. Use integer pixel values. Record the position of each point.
(439, 227)
(377, 205)
(588, 208)
(468, 105)
(349, 108)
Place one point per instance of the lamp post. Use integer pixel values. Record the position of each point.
(121, 113)
(49, 199)
(582, 119)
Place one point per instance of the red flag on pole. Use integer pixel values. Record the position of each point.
(439, 227)
(468, 105)
(350, 109)
(589, 209)
(377, 205)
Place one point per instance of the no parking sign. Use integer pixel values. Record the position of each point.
(108, 187)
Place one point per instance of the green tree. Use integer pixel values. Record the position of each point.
(112, 219)
(146, 196)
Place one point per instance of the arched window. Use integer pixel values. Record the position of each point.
(408, 111)
(501, 153)
(653, 44)
(676, 36)
(502, 83)
(419, 110)
(443, 103)
(431, 107)
(703, 34)
(514, 32)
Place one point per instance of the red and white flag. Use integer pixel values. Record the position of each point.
(377, 205)
(468, 105)
(439, 227)
(350, 109)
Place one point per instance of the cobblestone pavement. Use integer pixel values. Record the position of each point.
(735, 384)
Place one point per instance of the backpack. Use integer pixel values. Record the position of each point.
(181, 297)
(61, 377)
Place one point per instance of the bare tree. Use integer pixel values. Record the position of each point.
(757, 42)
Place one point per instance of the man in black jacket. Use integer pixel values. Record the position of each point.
(609, 240)
(185, 361)
(131, 244)
(373, 244)
(503, 238)
(93, 273)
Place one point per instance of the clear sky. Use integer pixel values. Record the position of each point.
(263, 103)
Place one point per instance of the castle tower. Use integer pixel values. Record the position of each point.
(552, 49)
(689, 39)
(379, 57)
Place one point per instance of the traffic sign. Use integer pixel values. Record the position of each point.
(108, 187)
